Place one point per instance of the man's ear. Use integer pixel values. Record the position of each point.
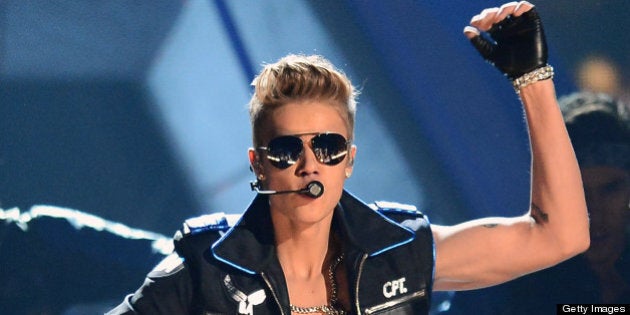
(254, 161)
(350, 164)
(352, 155)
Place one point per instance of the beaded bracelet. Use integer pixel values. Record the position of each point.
(539, 74)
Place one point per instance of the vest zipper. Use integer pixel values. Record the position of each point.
(356, 287)
(386, 305)
(273, 293)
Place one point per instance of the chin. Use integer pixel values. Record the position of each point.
(315, 210)
(308, 217)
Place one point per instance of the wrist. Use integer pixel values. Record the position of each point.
(542, 73)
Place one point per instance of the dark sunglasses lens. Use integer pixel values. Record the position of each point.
(330, 148)
(284, 151)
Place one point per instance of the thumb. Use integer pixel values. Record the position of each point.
(471, 32)
(484, 46)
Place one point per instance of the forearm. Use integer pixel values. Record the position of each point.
(557, 196)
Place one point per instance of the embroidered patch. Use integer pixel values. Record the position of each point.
(246, 302)
(394, 287)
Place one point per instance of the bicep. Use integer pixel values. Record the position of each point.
(487, 251)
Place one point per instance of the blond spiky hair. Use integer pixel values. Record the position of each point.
(297, 78)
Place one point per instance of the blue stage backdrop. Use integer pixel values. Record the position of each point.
(136, 111)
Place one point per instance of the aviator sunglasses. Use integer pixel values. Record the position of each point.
(284, 151)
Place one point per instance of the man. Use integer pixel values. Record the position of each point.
(307, 246)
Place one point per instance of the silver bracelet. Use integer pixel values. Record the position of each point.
(539, 74)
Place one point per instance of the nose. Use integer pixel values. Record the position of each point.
(307, 163)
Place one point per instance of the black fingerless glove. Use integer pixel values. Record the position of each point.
(515, 45)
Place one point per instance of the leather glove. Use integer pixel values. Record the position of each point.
(515, 46)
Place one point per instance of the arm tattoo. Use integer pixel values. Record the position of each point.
(490, 225)
(539, 216)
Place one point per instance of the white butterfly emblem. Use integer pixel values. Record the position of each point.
(245, 302)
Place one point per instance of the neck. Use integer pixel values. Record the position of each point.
(304, 252)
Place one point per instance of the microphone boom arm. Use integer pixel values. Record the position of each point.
(314, 189)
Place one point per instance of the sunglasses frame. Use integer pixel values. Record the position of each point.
(286, 164)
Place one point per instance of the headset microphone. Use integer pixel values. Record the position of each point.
(314, 189)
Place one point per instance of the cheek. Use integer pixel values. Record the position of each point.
(334, 182)
(338, 176)
(276, 178)
(332, 195)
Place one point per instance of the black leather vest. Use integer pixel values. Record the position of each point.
(226, 264)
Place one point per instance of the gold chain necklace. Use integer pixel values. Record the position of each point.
(329, 309)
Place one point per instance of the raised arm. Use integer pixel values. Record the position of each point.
(489, 251)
